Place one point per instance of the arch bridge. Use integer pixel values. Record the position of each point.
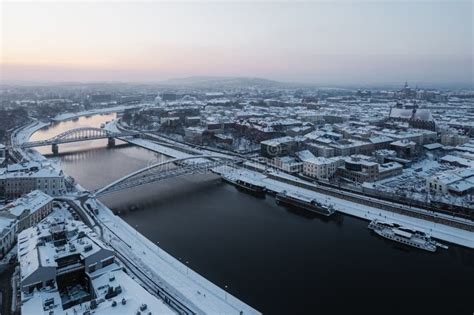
(77, 135)
(199, 164)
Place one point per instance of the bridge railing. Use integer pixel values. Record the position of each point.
(78, 134)
(167, 169)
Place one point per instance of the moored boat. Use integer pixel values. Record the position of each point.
(305, 203)
(250, 186)
(247, 185)
(403, 235)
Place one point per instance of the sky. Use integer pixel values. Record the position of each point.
(323, 42)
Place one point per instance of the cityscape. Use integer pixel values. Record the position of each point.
(157, 160)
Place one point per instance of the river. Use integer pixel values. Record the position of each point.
(278, 261)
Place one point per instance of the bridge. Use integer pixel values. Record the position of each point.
(77, 135)
(199, 164)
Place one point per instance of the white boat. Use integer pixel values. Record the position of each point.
(407, 236)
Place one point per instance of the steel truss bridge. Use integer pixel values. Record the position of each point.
(199, 164)
(79, 134)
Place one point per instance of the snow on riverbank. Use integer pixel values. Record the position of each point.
(179, 279)
(23, 135)
(189, 286)
(439, 231)
(119, 108)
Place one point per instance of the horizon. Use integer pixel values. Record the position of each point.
(318, 43)
(209, 80)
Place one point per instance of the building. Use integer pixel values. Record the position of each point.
(346, 147)
(298, 131)
(457, 182)
(170, 121)
(418, 136)
(194, 135)
(434, 148)
(381, 142)
(416, 117)
(66, 269)
(320, 150)
(457, 161)
(383, 156)
(321, 167)
(3, 154)
(389, 169)
(277, 147)
(223, 140)
(192, 120)
(29, 210)
(405, 148)
(19, 179)
(304, 155)
(358, 170)
(287, 164)
(8, 230)
(454, 139)
(361, 168)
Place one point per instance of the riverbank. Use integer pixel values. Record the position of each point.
(440, 231)
(277, 260)
(180, 280)
(115, 109)
(173, 274)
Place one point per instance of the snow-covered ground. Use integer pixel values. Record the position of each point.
(23, 135)
(184, 283)
(439, 231)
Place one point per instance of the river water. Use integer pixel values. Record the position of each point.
(278, 261)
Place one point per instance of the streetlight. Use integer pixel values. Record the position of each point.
(225, 291)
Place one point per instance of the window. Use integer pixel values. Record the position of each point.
(107, 261)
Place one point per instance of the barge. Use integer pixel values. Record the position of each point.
(304, 203)
(247, 185)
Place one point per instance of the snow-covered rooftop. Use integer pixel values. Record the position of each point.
(132, 299)
(32, 201)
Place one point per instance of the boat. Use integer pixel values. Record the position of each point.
(404, 235)
(305, 203)
(247, 185)
(251, 187)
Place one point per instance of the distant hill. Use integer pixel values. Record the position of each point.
(223, 82)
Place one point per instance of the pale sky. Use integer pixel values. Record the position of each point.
(315, 42)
